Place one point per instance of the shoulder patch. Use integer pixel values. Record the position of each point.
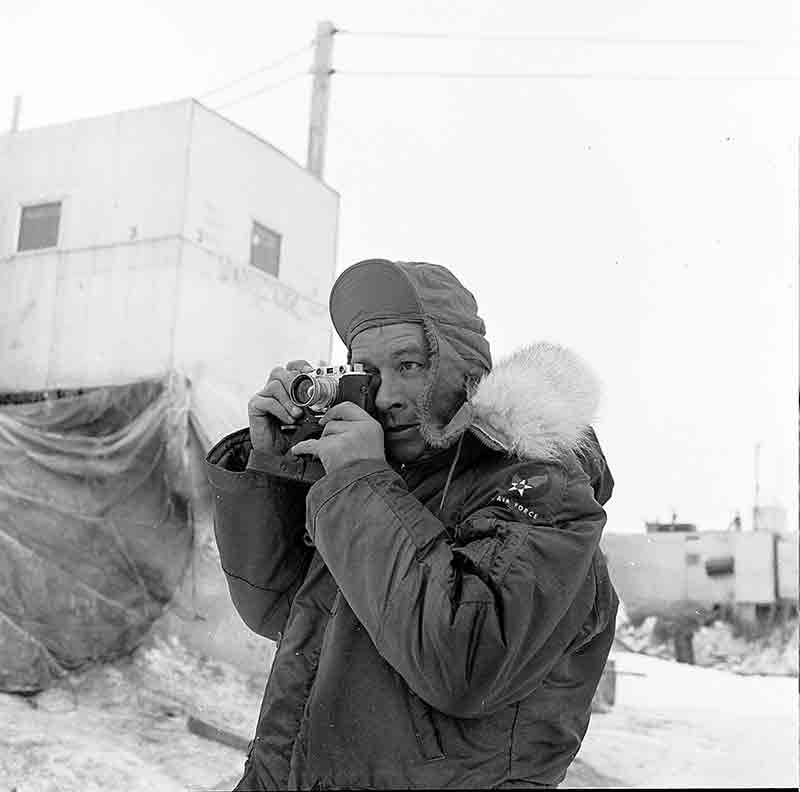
(536, 482)
(524, 492)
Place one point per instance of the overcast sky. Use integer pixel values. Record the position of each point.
(643, 217)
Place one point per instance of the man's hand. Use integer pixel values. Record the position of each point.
(272, 402)
(350, 434)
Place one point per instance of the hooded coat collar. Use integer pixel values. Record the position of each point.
(536, 404)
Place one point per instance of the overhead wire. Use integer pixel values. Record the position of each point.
(528, 75)
(273, 65)
(564, 37)
(264, 89)
(567, 75)
(559, 37)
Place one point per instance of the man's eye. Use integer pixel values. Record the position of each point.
(410, 365)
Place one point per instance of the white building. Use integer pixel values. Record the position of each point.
(159, 239)
(670, 572)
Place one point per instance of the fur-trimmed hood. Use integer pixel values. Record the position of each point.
(535, 404)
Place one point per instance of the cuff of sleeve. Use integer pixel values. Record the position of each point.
(258, 461)
(226, 463)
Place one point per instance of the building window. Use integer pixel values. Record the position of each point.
(38, 226)
(265, 249)
(692, 559)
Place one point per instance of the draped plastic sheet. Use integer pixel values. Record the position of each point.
(95, 531)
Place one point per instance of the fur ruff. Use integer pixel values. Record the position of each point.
(537, 403)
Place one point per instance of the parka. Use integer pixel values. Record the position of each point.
(441, 624)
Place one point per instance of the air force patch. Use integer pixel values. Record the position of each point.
(522, 485)
(523, 495)
(516, 506)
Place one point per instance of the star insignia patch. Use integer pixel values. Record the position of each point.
(521, 485)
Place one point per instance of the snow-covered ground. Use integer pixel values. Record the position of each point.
(124, 726)
(686, 726)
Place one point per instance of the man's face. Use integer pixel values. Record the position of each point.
(398, 354)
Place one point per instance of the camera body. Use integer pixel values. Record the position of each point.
(318, 391)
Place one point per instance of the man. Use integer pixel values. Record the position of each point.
(442, 610)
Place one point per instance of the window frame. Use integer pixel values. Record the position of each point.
(254, 223)
(41, 201)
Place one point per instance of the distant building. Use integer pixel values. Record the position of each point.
(670, 527)
(772, 519)
(673, 571)
(159, 239)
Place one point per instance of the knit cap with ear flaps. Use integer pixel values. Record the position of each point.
(378, 292)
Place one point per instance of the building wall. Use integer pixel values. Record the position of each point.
(662, 573)
(233, 325)
(787, 552)
(755, 579)
(152, 267)
(235, 178)
(647, 570)
(769, 518)
(702, 547)
(98, 308)
(88, 317)
(234, 322)
(121, 176)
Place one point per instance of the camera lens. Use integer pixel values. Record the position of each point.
(301, 391)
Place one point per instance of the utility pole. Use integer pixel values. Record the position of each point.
(320, 97)
(15, 114)
(757, 487)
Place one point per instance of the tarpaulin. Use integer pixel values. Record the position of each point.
(95, 533)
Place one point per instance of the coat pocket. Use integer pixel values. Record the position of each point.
(428, 738)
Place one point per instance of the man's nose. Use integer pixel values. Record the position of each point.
(386, 397)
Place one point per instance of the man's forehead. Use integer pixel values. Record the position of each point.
(388, 338)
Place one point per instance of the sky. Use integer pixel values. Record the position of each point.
(643, 216)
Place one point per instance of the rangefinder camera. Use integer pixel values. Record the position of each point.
(318, 391)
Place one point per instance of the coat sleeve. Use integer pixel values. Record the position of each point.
(259, 528)
(472, 622)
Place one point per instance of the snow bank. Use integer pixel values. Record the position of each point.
(718, 645)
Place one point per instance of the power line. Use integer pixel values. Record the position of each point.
(268, 67)
(567, 75)
(576, 37)
(264, 89)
